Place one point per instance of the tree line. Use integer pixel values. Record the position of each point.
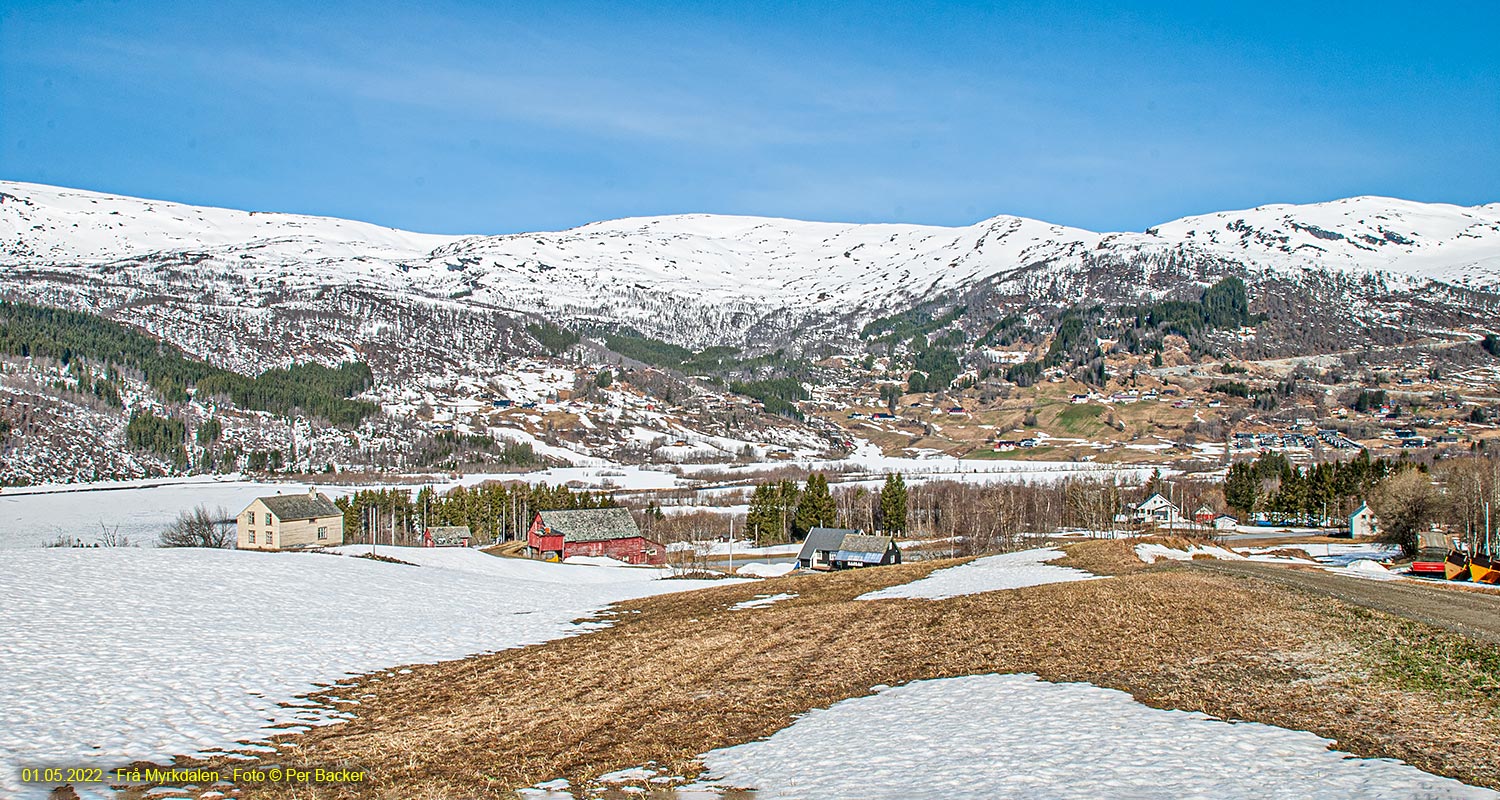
(1288, 494)
(32, 331)
(492, 511)
(781, 511)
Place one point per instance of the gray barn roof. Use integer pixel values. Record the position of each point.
(826, 539)
(863, 543)
(591, 524)
(449, 534)
(301, 506)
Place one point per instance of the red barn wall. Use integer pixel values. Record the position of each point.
(540, 542)
(631, 550)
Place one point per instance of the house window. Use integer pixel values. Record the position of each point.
(269, 539)
(268, 518)
(252, 537)
(323, 533)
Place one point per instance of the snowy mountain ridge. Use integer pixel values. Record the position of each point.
(702, 279)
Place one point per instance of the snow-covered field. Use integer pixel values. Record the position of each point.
(112, 655)
(1013, 736)
(988, 574)
(139, 509)
(32, 516)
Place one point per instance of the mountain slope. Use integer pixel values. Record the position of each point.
(283, 282)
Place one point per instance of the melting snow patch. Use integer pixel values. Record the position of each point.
(765, 570)
(988, 574)
(626, 775)
(762, 600)
(1151, 553)
(1013, 736)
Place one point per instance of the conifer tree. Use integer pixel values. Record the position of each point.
(815, 508)
(763, 522)
(893, 504)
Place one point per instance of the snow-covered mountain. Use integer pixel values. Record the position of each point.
(692, 279)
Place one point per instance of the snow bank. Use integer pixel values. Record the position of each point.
(1152, 553)
(765, 570)
(1013, 736)
(1373, 570)
(113, 655)
(988, 574)
(595, 561)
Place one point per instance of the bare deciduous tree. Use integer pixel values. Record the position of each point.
(1404, 503)
(200, 528)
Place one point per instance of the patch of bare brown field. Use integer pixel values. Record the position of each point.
(1117, 556)
(678, 675)
(1264, 541)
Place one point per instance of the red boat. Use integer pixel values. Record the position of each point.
(1430, 563)
(1431, 556)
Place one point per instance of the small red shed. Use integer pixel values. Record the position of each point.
(612, 532)
(446, 536)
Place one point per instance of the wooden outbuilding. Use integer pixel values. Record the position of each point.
(612, 532)
(846, 548)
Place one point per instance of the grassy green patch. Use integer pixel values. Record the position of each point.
(1081, 420)
(1018, 453)
(1418, 658)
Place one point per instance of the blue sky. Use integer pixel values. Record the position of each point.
(499, 117)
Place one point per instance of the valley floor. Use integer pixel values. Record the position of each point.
(678, 676)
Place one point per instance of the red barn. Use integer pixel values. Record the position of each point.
(612, 532)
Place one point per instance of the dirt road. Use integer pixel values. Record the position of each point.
(1472, 613)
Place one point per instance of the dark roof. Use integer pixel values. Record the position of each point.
(449, 534)
(863, 543)
(301, 506)
(591, 524)
(826, 539)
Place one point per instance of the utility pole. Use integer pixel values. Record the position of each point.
(731, 544)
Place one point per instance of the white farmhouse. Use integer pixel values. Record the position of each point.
(1156, 509)
(1362, 523)
(290, 522)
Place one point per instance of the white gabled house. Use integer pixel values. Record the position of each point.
(1154, 510)
(1362, 523)
(290, 522)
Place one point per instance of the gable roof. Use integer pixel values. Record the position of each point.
(865, 543)
(826, 539)
(591, 524)
(301, 506)
(449, 534)
(1152, 502)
